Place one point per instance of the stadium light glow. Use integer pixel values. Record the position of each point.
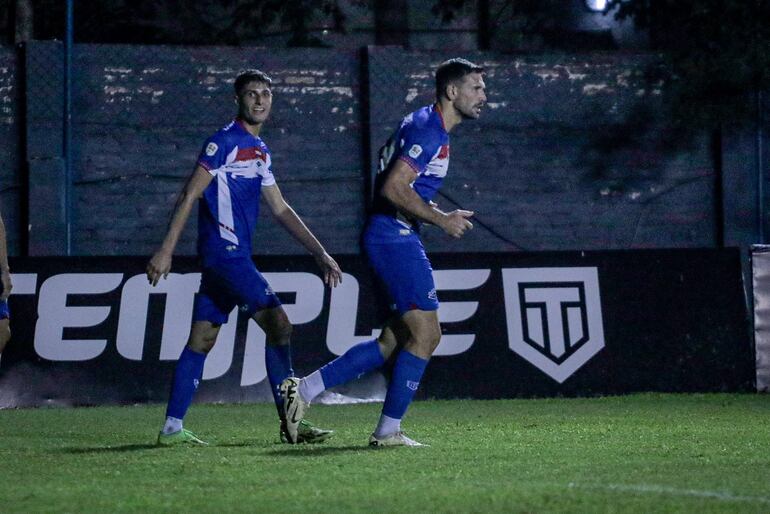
(596, 5)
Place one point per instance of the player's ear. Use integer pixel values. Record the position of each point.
(451, 91)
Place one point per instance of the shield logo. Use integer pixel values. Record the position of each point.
(554, 317)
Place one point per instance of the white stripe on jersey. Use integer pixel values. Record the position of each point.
(248, 169)
(224, 204)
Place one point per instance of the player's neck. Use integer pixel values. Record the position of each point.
(449, 114)
(251, 128)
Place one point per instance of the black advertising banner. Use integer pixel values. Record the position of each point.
(92, 331)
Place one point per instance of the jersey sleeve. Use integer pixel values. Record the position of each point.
(213, 155)
(417, 146)
(266, 171)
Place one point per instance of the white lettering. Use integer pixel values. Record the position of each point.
(220, 358)
(254, 370)
(24, 283)
(54, 315)
(134, 301)
(307, 306)
(343, 309)
(452, 280)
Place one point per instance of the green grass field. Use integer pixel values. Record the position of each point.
(642, 453)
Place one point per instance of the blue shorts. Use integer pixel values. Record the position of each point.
(406, 273)
(229, 283)
(4, 312)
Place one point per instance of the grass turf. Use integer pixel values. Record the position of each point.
(640, 453)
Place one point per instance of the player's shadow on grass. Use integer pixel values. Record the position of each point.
(309, 451)
(151, 446)
(112, 449)
(284, 450)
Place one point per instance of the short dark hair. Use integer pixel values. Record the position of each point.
(452, 71)
(252, 75)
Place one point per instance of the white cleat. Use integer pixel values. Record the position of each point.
(394, 439)
(294, 407)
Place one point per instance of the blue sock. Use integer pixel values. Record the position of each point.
(278, 364)
(407, 373)
(187, 376)
(352, 364)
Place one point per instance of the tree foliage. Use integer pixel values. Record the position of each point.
(181, 22)
(717, 54)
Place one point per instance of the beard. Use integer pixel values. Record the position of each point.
(471, 112)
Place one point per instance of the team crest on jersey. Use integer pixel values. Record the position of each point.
(415, 151)
(211, 149)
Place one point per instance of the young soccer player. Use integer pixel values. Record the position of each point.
(234, 169)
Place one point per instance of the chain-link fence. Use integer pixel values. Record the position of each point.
(569, 152)
(140, 115)
(10, 145)
(557, 160)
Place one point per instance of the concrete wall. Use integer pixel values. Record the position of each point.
(11, 152)
(141, 115)
(571, 153)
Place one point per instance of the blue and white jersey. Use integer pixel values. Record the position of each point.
(422, 142)
(229, 207)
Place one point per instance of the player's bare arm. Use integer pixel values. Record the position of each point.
(160, 263)
(294, 225)
(398, 190)
(5, 270)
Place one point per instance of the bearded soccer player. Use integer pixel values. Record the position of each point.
(234, 169)
(413, 164)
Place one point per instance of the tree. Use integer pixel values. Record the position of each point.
(180, 22)
(717, 55)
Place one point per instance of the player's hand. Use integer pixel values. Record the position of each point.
(456, 223)
(5, 277)
(330, 268)
(159, 266)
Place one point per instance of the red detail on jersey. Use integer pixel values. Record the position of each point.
(444, 152)
(440, 115)
(249, 154)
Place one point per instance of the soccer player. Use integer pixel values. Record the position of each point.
(5, 282)
(413, 164)
(233, 170)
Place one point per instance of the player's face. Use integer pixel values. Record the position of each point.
(254, 103)
(470, 96)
